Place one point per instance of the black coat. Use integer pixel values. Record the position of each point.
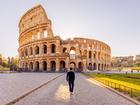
(70, 76)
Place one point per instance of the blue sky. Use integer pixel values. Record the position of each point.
(116, 22)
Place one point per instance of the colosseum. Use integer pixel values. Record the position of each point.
(41, 50)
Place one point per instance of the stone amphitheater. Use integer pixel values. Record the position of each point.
(41, 50)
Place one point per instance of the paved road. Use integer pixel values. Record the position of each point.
(13, 85)
(87, 92)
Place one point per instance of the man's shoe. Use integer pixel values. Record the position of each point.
(71, 93)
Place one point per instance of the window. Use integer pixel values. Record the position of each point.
(53, 48)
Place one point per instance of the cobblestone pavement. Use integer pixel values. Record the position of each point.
(87, 92)
(13, 85)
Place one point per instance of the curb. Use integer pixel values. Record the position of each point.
(117, 92)
(28, 93)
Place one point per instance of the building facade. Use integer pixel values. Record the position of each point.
(40, 50)
(137, 60)
(123, 61)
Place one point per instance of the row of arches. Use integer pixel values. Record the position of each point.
(32, 36)
(52, 49)
(36, 50)
(96, 66)
(88, 54)
(43, 66)
(90, 66)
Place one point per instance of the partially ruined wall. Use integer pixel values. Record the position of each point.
(40, 50)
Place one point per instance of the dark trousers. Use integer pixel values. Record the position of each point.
(71, 86)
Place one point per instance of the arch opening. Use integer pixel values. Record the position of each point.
(94, 66)
(90, 66)
(85, 53)
(64, 50)
(90, 54)
(22, 54)
(44, 65)
(36, 66)
(44, 49)
(53, 66)
(36, 50)
(99, 68)
(62, 66)
(31, 51)
(102, 66)
(72, 52)
(26, 52)
(26, 66)
(80, 66)
(53, 48)
(31, 66)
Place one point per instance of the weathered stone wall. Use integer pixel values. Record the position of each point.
(40, 50)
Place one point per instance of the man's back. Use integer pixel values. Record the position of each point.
(70, 76)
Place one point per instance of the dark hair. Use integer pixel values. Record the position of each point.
(70, 68)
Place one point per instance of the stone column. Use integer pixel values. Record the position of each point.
(48, 49)
(40, 50)
(48, 66)
(58, 47)
(76, 50)
(34, 66)
(40, 66)
(67, 63)
(76, 62)
(33, 50)
(57, 65)
(84, 65)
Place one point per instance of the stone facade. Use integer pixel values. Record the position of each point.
(40, 50)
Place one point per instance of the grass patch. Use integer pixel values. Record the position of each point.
(118, 77)
(120, 82)
(4, 69)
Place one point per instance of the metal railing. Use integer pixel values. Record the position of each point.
(133, 93)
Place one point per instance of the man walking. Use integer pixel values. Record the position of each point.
(70, 78)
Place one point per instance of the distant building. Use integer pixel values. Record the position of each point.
(125, 61)
(0, 59)
(137, 58)
(130, 60)
(9, 60)
(137, 61)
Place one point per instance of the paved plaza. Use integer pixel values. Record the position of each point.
(87, 92)
(13, 85)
